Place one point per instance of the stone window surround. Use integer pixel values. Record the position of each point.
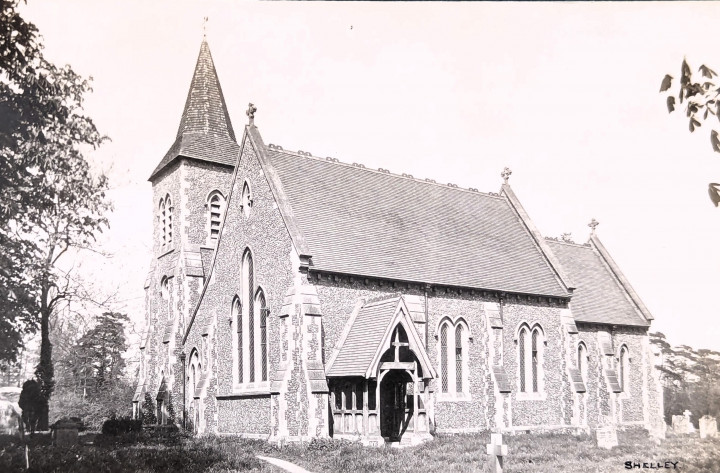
(256, 387)
(452, 395)
(213, 197)
(623, 366)
(528, 394)
(165, 219)
(582, 360)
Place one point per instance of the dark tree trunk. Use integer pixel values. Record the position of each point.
(44, 372)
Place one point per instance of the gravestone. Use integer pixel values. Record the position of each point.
(496, 452)
(65, 432)
(680, 424)
(606, 437)
(691, 428)
(708, 427)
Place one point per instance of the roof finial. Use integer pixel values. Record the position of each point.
(251, 113)
(205, 21)
(593, 224)
(506, 174)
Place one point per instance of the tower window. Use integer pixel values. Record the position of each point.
(216, 206)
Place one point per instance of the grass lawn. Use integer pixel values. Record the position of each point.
(458, 453)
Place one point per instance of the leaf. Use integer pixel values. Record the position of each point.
(707, 110)
(666, 83)
(714, 191)
(694, 124)
(707, 72)
(685, 73)
(715, 141)
(671, 104)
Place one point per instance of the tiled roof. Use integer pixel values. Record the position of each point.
(598, 297)
(205, 130)
(364, 337)
(376, 224)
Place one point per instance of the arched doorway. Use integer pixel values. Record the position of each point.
(397, 405)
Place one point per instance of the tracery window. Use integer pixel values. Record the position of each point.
(453, 348)
(530, 359)
(251, 316)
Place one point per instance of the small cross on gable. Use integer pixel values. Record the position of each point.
(506, 174)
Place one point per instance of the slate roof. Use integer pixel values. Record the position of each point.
(370, 223)
(205, 132)
(362, 340)
(599, 297)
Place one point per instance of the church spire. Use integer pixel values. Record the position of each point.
(205, 110)
(205, 131)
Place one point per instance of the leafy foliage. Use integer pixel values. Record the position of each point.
(91, 371)
(148, 411)
(33, 404)
(50, 201)
(691, 379)
(121, 425)
(702, 99)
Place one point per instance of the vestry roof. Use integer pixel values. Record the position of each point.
(371, 223)
(205, 132)
(600, 296)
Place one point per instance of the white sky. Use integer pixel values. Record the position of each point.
(566, 95)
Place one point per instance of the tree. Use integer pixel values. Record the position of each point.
(50, 202)
(690, 378)
(91, 370)
(702, 100)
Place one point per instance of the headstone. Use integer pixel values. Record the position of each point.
(708, 427)
(496, 451)
(680, 424)
(691, 428)
(66, 432)
(606, 437)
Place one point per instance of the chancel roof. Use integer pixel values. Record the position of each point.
(601, 295)
(205, 132)
(376, 224)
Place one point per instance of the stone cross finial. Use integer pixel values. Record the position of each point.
(205, 21)
(593, 224)
(496, 452)
(506, 174)
(251, 113)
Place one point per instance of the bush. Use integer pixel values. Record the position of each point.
(33, 404)
(121, 425)
(148, 410)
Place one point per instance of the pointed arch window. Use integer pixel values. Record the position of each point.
(252, 341)
(168, 220)
(246, 200)
(582, 361)
(530, 359)
(453, 347)
(623, 369)
(216, 207)
(236, 318)
(262, 316)
(163, 217)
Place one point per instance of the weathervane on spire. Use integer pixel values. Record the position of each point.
(251, 113)
(506, 174)
(593, 224)
(205, 21)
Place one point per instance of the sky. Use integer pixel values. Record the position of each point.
(564, 94)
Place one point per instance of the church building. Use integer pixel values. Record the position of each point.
(293, 297)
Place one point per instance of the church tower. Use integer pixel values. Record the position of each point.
(190, 188)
